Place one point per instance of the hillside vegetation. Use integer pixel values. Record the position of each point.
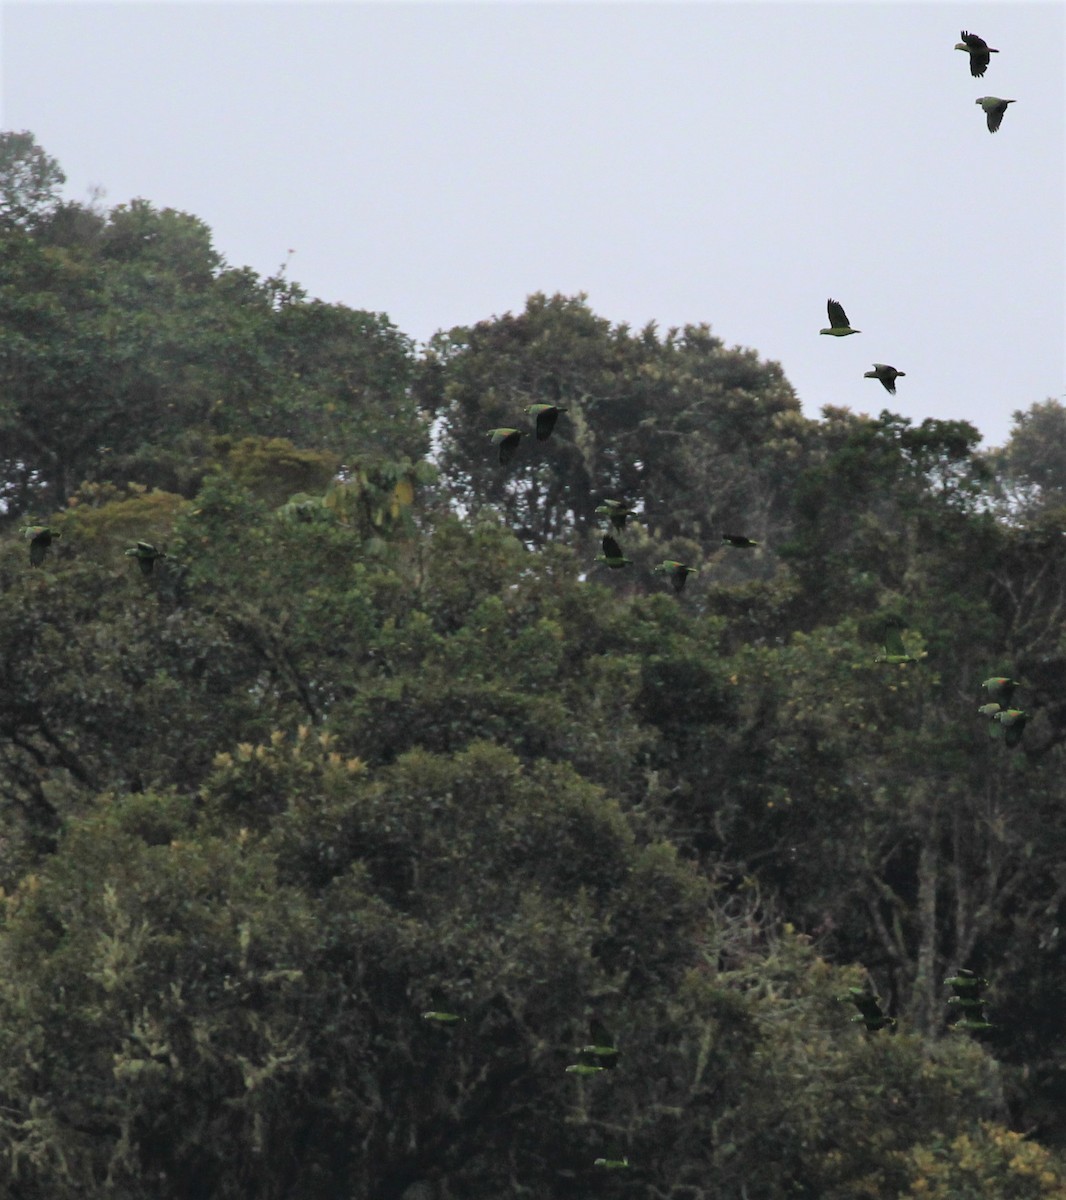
(378, 738)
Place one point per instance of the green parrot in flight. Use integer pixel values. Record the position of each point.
(616, 512)
(738, 540)
(598, 1054)
(40, 537)
(994, 109)
(967, 1003)
(887, 375)
(838, 321)
(895, 651)
(979, 50)
(545, 416)
(870, 1011)
(1012, 721)
(145, 554)
(601, 1048)
(677, 571)
(612, 554)
(507, 440)
(1000, 688)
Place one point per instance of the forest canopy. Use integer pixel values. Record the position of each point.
(369, 838)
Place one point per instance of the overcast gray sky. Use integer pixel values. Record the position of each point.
(734, 164)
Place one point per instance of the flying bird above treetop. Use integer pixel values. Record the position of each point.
(887, 375)
(738, 540)
(838, 321)
(979, 51)
(994, 109)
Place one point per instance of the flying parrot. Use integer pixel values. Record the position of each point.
(612, 554)
(545, 416)
(615, 512)
(888, 376)
(870, 1012)
(979, 51)
(40, 537)
(895, 651)
(994, 109)
(677, 571)
(145, 554)
(967, 1001)
(507, 440)
(601, 1048)
(738, 540)
(838, 322)
(1000, 689)
(1012, 721)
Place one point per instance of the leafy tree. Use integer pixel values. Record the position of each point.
(30, 180)
(699, 436)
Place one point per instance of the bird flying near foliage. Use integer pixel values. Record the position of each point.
(612, 554)
(601, 1049)
(738, 540)
(978, 50)
(40, 537)
(888, 376)
(1012, 721)
(545, 416)
(615, 512)
(967, 1003)
(1000, 688)
(677, 571)
(441, 1018)
(507, 440)
(989, 710)
(838, 321)
(145, 554)
(611, 1164)
(870, 1011)
(584, 1069)
(895, 651)
(994, 109)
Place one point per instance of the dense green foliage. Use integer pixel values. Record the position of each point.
(377, 738)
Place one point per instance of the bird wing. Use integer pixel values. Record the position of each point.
(611, 548)
(995, 116)
(867, 1005)
(546, 419)
(837, 317)
(894, 641)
